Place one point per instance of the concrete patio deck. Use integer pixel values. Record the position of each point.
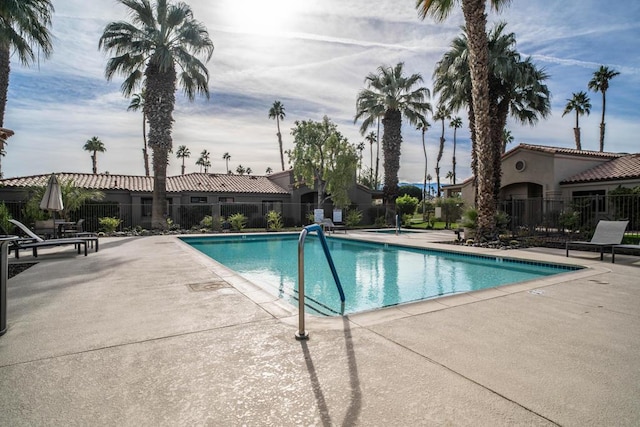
(150, 332)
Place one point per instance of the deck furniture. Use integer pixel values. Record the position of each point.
(607, 235)
(33, 241)
(624, 247)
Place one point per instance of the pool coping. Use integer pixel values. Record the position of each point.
(287, 313)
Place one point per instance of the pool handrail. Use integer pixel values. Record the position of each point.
(302, 334)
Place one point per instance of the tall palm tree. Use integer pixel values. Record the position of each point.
(24, 31)
(204, 161)
(441, 114)
(137, 103)
(507, 138)
(182, 153)
(371, 138)
(449, 176)
(516, 88)
(226, 157)
(600, 83)
(456, 123)
(581, 104)
(160, 38)
(476, 22)
(94, 145)
(389, 90)
(277, 112)
(423, 126)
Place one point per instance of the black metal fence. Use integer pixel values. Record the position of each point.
(540, 216)
(527, 217)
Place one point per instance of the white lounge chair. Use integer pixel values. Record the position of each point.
(34, 241)
(607, 235)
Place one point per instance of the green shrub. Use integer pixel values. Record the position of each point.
(211, 223)
(354, 217)
(5, 216)
(109, 224)
(238, 221)
(380, 222)
(274, 221)
(406, 205)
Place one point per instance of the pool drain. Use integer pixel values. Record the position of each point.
(208, 286)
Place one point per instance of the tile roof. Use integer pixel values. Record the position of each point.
(562, 150)
(622, 168)
(193, 182)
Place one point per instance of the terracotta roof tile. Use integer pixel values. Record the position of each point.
(627, 167)
(175, 184)
(562, 150)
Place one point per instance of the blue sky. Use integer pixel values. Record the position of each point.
(313, 57)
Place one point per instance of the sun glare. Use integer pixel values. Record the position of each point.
(262, 17)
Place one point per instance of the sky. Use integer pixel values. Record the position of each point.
(313, 56)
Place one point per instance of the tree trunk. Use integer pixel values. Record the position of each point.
(474, 157)
(5, 68)
(391, 142)
(94, 163)
(280, 142)
(158, 107)
(453, 162)
(424, 183)
(498, 123)
(576, 134)
(440, 152)
(377, 156)
(602, 124)
(145, 152)
(475, 18)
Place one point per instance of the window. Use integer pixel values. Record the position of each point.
(146, 204)
(225, 199)
(198, 199)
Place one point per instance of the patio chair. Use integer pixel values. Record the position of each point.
(73, 230)
(607, 235)
(33, 241)
(629, 248)
(328, 226)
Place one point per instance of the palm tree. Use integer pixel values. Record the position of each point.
(516, 88)
(240, 170)
(456, 123)
(158, 40)
(269, 170)
(600, 83)
(24, 26)
(507, 138)
(277, 112)
(450, 177)
(226, 157)
(441, 114)
(371, 138)
(94, 145)
(137, 103)
(476, 22)
(423, 126)
(182, 153)
(249, 171)
(429, 178)
(204, 161)
(581, 104)
(390, 91)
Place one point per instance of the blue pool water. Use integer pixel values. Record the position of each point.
(373, 275)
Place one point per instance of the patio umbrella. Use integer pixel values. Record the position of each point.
(52, 199)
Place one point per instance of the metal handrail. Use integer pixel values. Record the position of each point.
(302, 334)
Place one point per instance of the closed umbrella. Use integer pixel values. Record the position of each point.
(52, 199)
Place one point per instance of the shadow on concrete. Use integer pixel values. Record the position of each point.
(355, 400)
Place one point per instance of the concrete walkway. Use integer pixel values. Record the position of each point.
(149, 332)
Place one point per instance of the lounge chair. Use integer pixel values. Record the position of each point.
(328, 225)
(607, 235)
(627, 247)
(33, 241)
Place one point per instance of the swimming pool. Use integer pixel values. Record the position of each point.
(373, 275)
